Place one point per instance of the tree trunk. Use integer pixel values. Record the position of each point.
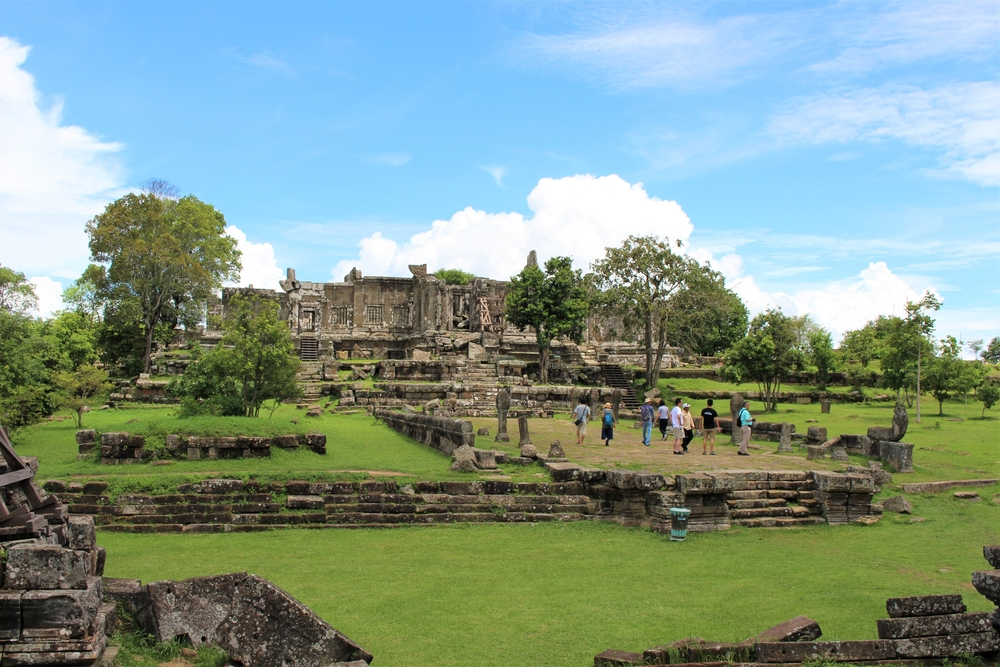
(918, 383)
(543, 362)
(648, 336)
(147, 362)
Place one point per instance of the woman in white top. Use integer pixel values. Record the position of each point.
(663, 413)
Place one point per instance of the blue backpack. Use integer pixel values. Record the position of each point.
(609, 418)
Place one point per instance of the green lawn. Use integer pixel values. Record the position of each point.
(557, 594)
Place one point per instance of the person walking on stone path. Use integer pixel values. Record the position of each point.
(744, 421)
(677, 423)
(710, 426)
(663, 413)
(608, 422)
(687, 422)
(646, 413)
(581, 415)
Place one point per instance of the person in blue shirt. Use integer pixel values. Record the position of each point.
(646, 413)
(745, 421)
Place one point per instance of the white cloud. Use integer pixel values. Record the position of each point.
(961, 122)
(53, 177)
(49, 293)
(386, 159)
(259, 266)
(577, 216)
(911, 31)
(662, 51)
(497, 173)
(837, 306)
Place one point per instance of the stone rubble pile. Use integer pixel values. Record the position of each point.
(923, 628)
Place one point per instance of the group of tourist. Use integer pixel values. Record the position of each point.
(677, 422)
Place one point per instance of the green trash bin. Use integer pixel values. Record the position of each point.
(678, 523)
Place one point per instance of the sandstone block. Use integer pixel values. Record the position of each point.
(194, 607)
(285, 441)
(305, 502)
(529, 451)
(125, 592)
(695, 484)
(615, 658)
(846, 651)
(800, 628)
(485, 460)
(816, 433)
(992, 555)
(221, 486)
(464, 459)
(987, 582)
(948, 646)
(897, 504)
(930, 626)
(10, 615)
(60, 614)
(34, 566)
(556, 451)
(925, 605)
(94, 488)
(80, 532)
(266, 627)
(483, 431)
(86, 437)
(648, 481)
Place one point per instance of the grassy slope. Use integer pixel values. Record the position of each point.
(557, 594)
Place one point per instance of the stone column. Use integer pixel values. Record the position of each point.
(824, 407)
(735, 405)
(785, 444)
(522, 429)
(503, 405)
(616, 402)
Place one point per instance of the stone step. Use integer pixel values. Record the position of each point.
(780, 522)
(757, 503)
(756, 512)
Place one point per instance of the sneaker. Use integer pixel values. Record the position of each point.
(713, 453)
(703, 453)
(742, 454)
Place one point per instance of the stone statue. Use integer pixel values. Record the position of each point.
(503, 405)
(735, 405)
(894, 433)
(532, 259)
(418, 270)
(293, 288)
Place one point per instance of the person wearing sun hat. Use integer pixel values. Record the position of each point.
(646, 413)
(687, 422)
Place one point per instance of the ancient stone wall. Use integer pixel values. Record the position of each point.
(441, 433)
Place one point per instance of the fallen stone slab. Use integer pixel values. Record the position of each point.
(266, 626)
(615, 658)
(845, 651)
(60, 614)
(948, 646)
(897, 504)
(987, 582)
(562, 471)
(925, 605)
(193, 608)
(931, 626)
(992, 555)
(33, 566)
(938, 487)
(967, 495)
(800, 628)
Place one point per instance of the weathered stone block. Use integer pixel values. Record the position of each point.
(10, 614)
(305, 502)
(649, 481)
(816, 434)
(800, 628)
(266, 627)
(60, 614)
(315, 441)
(34, 566)
(194, 607)
(94, 488)
(285, 441)
(485, 459)
(831, 481)
(221, 486)
(897, 504)
(948, 646)
(86, 437)
(815, 452)
(695, 484)
(899, 455)
(125, 592)
(615, 658)
(992, 555)
(80, 532)
(925, 605)
(930, 626)
(846, 651)
(987, 582)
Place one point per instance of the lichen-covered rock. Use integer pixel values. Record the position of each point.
(897, 504)
(948, 646)
(80, 532)
(925, 605)
(529, 451)
(194, 607)
(987, 582)
(931, 626)
(60, 614)
(800, 628)
(34, 566)
(465, 459)
(556, 451)
(221, 486)
(992, 555)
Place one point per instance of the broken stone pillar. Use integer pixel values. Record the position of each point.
(824, 407)
(503, 405)
(616, 401)
(785, 443)
(522, 429)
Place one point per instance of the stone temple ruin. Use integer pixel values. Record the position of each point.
(56, 608)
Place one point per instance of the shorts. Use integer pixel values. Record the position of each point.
(581, 428)
(678, 433)
(607, 433)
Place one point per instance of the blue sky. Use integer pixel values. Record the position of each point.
(832, 158)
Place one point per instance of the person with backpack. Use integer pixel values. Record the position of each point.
(580, 416)
(646, 413)
(710, 426)
(744, 421)
(608, 425)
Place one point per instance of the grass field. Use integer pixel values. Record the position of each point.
(555, 595)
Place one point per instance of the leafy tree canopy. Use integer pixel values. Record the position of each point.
(16, 294)
(553, 302)
(768, 353)
(454, 276)
(163, 255)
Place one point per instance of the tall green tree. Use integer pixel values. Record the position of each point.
(862, 345)
(166, 255)
(992, 351)
(637, 281)
(553, 302)
(705, 316)
(768, 353)
(921, 325)
(78, 387)
(16, 294)
(254, 362)
(821, 355)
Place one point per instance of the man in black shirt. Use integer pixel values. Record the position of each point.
(710, 426)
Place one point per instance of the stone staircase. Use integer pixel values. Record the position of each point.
(774, 508)
(588, 354)
(310, 378)
(614, 376)
(480, 372)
